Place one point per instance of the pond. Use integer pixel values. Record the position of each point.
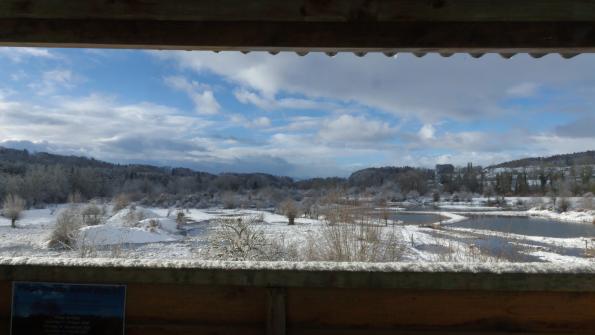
(528, 226)
(416, 218)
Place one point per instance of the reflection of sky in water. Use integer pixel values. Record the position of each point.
(56, 299)
(529, 226)
(415, 219)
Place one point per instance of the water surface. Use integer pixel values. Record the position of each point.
(417, 219)
(529, 226)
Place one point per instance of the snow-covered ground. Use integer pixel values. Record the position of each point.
(153, 233)
(584, 216)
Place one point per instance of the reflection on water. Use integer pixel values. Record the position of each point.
(528, 226)
(416, 219)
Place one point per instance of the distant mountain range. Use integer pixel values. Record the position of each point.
(15, 161)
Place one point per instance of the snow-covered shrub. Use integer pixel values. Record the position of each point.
(65, 232)
(181, 219)
(587, 201)
(153, 225)
(241, 238)
(563, 205)
(258, 218)
(91, 215)
(238, 239)
(12, 208)
(361, 242)
(452, 251)
(132, 217)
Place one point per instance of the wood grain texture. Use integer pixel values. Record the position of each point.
(197, 304)
(444, 26)
(271, 277)
(268, 36)
(5, 306)
(305, 10)
(440, 310)
(191, 329)
(276, 311)
(199, 309)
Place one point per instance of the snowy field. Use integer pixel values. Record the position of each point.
(154, 233)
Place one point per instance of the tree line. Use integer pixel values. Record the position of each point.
(42, 178)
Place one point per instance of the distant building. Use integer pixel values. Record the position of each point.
(443, 171)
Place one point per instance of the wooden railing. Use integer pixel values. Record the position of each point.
(323, 298)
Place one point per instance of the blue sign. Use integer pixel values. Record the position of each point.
(67, 309)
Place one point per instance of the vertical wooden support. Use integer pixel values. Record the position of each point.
(276, 324)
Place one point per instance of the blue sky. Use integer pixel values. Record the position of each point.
(291, 115)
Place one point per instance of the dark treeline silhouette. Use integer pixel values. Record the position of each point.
(42, 178)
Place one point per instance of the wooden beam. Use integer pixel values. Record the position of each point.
(445, 26)
(269, 36)
(276, 311)
(441, 311)
(305, 10)
(211, 309)
(274, 277)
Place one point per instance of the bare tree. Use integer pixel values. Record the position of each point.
(181, 219)
(12, 208)
(121, 201)
(229, 200)
(289, 208)
(75, 197)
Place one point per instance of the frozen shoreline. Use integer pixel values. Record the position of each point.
(452, 217)
(583, 217)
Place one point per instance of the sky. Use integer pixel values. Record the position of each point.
(310, 116)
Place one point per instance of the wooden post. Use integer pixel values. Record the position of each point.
(276, 324)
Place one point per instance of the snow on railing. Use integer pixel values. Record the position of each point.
(307, 266)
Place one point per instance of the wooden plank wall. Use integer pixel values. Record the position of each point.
(445, 26)
(201, 309)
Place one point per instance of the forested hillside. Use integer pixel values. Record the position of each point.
(42, 178)
(578, 158)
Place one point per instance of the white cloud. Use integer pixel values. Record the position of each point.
(350, 128)
(201, 95)
(262, 121)
(17, 55)
(549, 144)
(584, 127)
(426, 132)
(271, 103)
(322, 124)
(53, 80)
(430, 89)
(523, 90)
(259, 122)
(100, 126)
